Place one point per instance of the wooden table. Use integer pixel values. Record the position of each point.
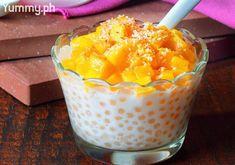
(43, 135)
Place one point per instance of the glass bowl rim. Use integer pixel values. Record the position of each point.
(198, 67)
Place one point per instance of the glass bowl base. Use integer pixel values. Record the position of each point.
(140, 157)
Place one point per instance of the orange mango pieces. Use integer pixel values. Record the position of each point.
(122, 50)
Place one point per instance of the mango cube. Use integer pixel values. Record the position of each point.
(114, 78)
(166, 75)
(118, 55)
(68, 64)
(99, 67)
(121, 50)
(82, 64)
(177, 62)
(81, 44)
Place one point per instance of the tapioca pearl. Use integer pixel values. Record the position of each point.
(127, 142)
(126, 121)
(113, 102)
(87, 133)
(118, 118)
(107, 112)
(162, 109)
(177, 99)
(172, 107)
(121, 111)
(157, 125)
(135, 122)
(171, 102)
(158, 132)
(164, 132)
(121, 125)
(149, 139)
(140, 128)
(163, 116)
(74, 107)
(173, 93)
(142, 117)
(149, 103)
(151, 113)
(167, 123)
(129, 128)
(98, 115)
(140, 143)
(172, 126)
(129, 136)
(122, 99)
(141, 137)
(178, 108)
(102, 127)
(130, 115)
(150, 132)
(102, 104)
(174, 115)
(162, 101)
(138, 110)
(107, 121)
(151, 121)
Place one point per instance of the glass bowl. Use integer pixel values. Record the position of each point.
(128, 123)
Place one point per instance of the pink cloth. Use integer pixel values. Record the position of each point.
(93, 7)
(220, 10)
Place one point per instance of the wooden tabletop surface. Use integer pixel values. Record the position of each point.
(43, 135)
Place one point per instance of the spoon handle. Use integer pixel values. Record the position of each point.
(178, 12)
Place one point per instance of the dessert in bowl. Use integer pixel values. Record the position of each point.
(129, 86)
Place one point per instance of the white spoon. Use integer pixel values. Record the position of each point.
(4, 5)
(178, 12)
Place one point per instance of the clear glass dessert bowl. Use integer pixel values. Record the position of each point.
(128, 123)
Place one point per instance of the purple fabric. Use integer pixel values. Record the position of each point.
(93, 7)
(220, 10)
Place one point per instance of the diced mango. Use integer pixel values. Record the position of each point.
(177, 62)
(117, 32)
(143, 74)
(81, 44)
(166, 75)
(187, 53)
(115, 78)
(82, 65)
(139, 74)
(99, 67)
(177, 41)
(118, 55)
(121, 50)
(128, 75)
(177, 71)
(101, 46)
(98, 30)
(68, 64)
